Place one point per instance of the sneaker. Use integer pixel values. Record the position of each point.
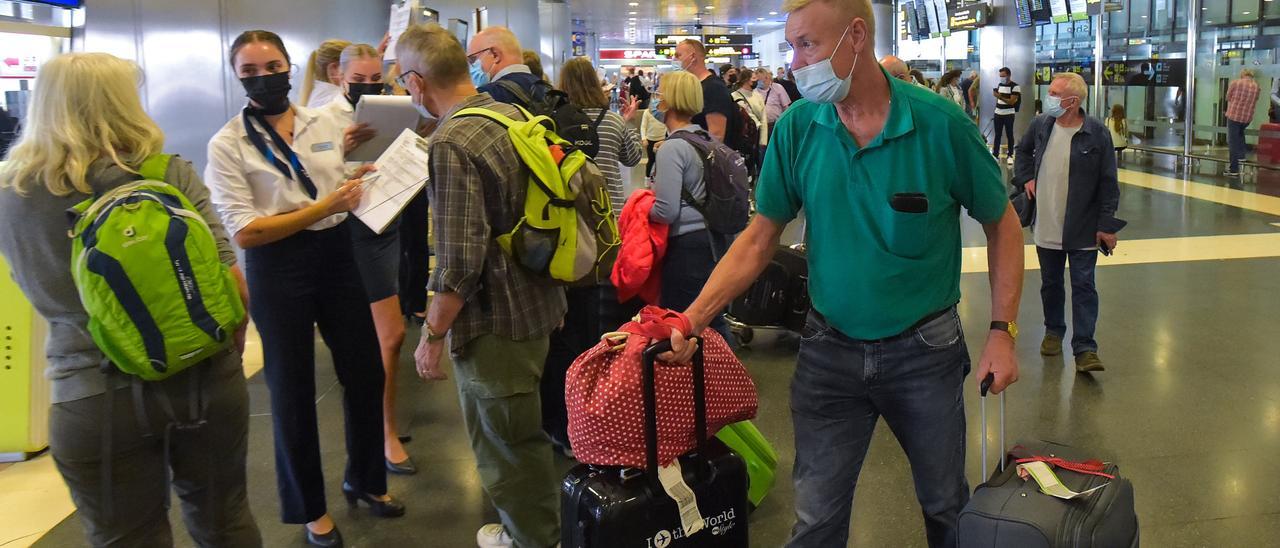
(1009, 160)
(1231, 173)
(1088, 362)
(493, 535)
(1051, 345)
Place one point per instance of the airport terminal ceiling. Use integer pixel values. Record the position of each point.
(626, 22)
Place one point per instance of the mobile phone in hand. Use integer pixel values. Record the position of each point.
(1106, 250)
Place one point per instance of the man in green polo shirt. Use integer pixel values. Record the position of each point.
(882, 169)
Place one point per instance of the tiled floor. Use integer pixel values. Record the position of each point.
(1189, 405)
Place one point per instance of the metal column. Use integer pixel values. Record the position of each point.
(1193, 40)
(1098, 92)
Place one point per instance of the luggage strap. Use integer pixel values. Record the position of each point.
(198, 407)
(1093, 467)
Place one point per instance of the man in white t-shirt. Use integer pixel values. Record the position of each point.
(1008, 98)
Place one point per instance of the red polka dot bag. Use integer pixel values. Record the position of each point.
(603, 393)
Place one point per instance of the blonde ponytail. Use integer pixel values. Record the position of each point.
(329, 52)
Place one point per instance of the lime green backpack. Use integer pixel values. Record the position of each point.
(147, 269)
(569, 231)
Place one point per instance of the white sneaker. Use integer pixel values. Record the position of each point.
(493, 535)
(1009, 161)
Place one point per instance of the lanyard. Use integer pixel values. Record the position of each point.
(270, 155)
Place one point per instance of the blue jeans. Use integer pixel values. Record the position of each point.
(1235, 143)
(842, 387)
(1084, 296)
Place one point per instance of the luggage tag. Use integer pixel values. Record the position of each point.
(672, 479)
(1049, 482)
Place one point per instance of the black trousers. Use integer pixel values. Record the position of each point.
(687, 267)
(1003, 122)
(303, 281)
(415, 255)
(592, 312)
(648, 168)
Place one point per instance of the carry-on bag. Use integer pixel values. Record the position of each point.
(762, 461)
(622, 507)
(1010, 511)
(778, 299)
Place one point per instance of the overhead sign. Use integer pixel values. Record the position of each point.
(708, 40)
(1145, 72)
(969, 17)
(1045, 71)
(1023, 7)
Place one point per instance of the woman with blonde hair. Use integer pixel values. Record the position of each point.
(377, 255)
(85, 134)
(691, 247)
(322, 80)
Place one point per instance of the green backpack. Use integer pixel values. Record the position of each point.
(147, 269)
(569, 231)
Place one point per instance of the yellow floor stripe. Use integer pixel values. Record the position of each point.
(1201, 191)
(34, 499)
(1159, 250)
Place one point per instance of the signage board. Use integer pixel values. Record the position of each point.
(969, 17)
(1145, 72)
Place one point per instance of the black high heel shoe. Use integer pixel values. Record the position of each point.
(332, 539)
(403, 468)
(382, 508)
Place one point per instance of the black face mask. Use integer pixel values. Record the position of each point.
(356, 91)
(270, 92)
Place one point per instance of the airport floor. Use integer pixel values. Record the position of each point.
(1189, 405)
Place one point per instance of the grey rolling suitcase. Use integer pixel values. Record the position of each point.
(1007, 511)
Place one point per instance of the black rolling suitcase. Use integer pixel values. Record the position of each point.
(1008, 511)
(617, 507)
(780, 296)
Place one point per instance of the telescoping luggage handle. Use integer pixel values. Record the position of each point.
(985, 386)
(651, 404)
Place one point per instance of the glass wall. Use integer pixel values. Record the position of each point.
(1145, 61)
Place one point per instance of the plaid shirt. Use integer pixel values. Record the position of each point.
(1242, 97)
(478, 185)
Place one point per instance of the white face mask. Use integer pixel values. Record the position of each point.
(421, 108)
(818, 82)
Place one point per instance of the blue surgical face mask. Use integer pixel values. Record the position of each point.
(818, 82)
(1053, 106)
(478, 76)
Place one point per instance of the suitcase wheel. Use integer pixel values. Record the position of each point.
(745, 334)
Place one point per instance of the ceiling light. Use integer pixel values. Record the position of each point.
(634, 4)
(773, 13)
(633, 18)
(1245, 12)
(710, 7)
(631, 13)
(759, 19)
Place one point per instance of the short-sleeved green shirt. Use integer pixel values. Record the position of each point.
(874, 271)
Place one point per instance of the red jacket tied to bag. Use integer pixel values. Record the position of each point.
(604, 394)
(638, 268)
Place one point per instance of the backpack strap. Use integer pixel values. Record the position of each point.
(114, 274)
(155, 167)
(599, 119)
(513, 88)
(704, 153)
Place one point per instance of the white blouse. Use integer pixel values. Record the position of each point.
(323, 93)
(244, 185)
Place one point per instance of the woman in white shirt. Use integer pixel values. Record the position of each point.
(744, 94)
(275, 176)
(322, 81)
(377, 255)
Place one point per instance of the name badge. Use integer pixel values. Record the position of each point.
(322, 147)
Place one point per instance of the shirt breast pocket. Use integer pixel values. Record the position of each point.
(907, 229)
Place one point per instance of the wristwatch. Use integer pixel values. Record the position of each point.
(1008, 327)
(432, 336)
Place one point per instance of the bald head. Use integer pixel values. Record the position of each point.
(496, 48)
(896, 67)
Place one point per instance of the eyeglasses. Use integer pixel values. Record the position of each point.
(472, 58)
(401, 79)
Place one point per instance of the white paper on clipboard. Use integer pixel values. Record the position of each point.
(388, 115)
(399, 23)
(401, 175)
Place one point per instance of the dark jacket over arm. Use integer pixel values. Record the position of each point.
(1094, 190)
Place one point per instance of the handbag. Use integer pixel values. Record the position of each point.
(604, 393)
